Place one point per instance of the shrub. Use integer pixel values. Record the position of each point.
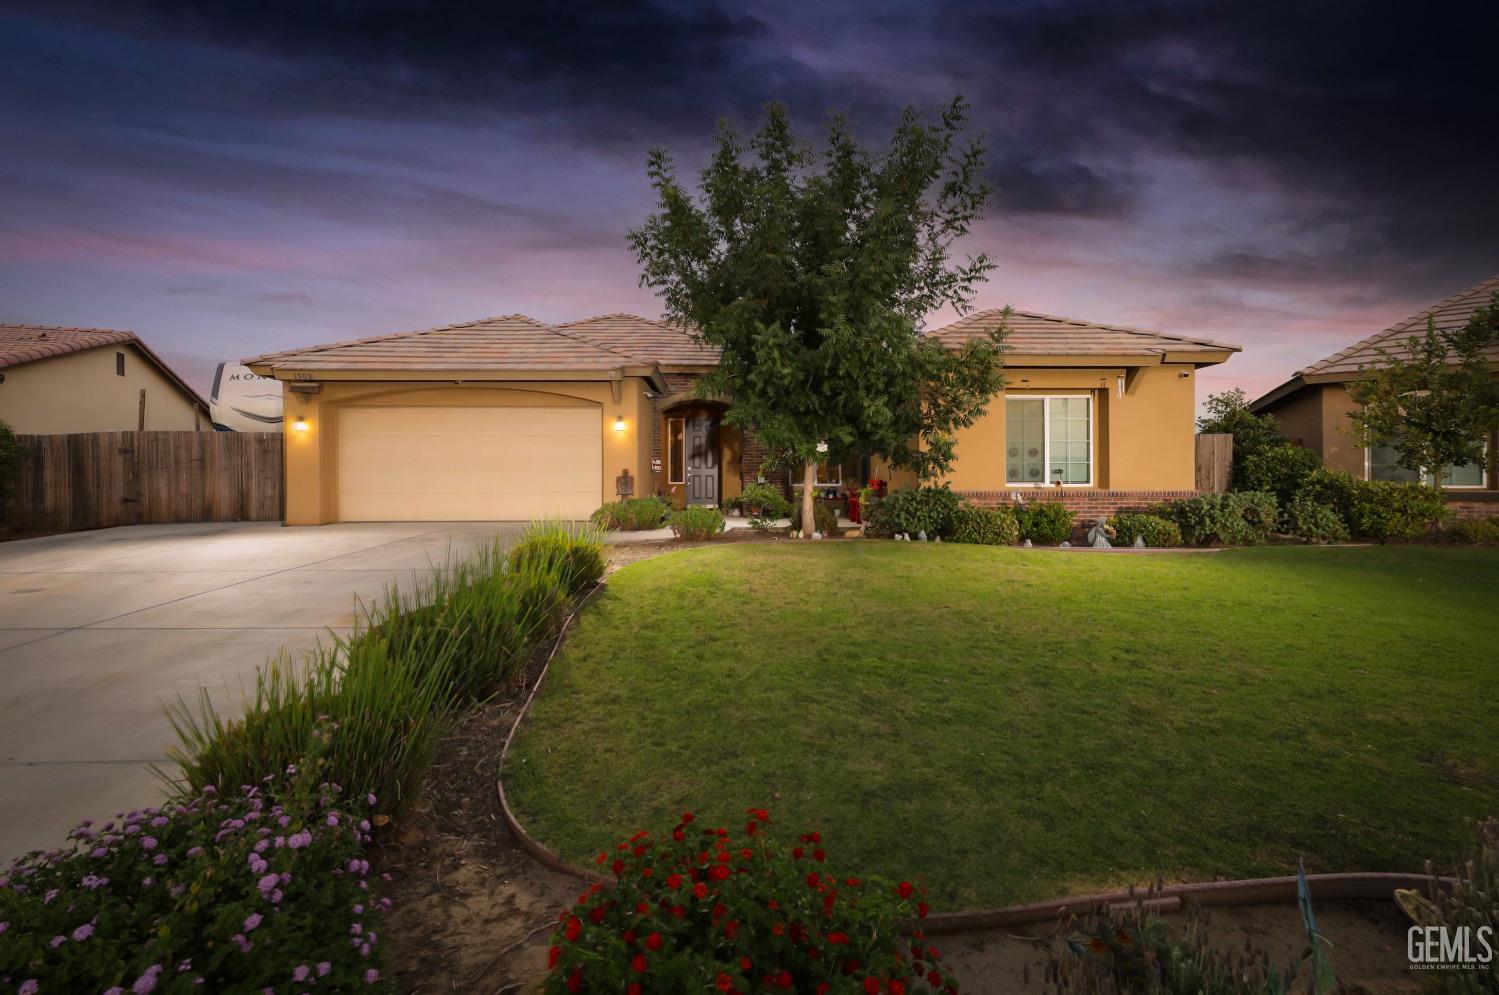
(1046, 522)
(574, 553)
(1158, 532)
(764, 501)
(217, 893)
(1307, 519)
(1385, 511)
(824, 517)
(985, 526)
(1478, 532)
(697, 522)
(1337, 489)
(1281, 470)
(632, 514)
(1241, 518)
(913, 510)
(702, 910)
(11, 454)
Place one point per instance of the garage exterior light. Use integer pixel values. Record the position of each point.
(619, 423)
(300, 424)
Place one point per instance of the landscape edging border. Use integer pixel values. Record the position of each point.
(1367, 885)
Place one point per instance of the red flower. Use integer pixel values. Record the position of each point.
(723, 982)
(779, 928)
(574, 928)
(700, 890)
(812, 880)
(552, 956)
(638, 964)
(921, 910)
(687, 817)
(719, 872)
(872, 986)
(783, 980)
(678, 911)
(678, 835)
(674, 881)
(745, 964)
(596, 914)
(618, 867)
(934, 978)
(642, 908)
(575, 980)
(634, 989)
(838, 938)
(904, 889)
(731, 929)
(822, 988)
(897, 988)
(653, 942)
(819, 855)
(629, 936)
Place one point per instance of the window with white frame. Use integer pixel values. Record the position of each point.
(828, 475)
(1049, 440)
(1383, 464)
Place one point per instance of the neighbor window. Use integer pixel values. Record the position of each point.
(119, 364)
(1384, 465)
(675, 431)
(1048, 440)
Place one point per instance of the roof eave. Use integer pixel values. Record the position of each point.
(1285, 390)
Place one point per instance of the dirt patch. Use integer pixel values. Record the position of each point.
(473, 911)
(1368, 947)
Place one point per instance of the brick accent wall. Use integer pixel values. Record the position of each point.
(1086, 503)
(752, 455)
(1473, 504)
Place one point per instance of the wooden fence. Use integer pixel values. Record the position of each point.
(96, 480)
(1215, 456)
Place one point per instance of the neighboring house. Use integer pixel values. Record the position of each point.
(1313, 406)
(59, 380)
(510, 418)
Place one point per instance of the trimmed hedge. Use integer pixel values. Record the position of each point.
(1158, 532)
(1046, 522)
(1306, 519)
(985, 526)
(913, 510)
(1477, 532)
(1240, 518)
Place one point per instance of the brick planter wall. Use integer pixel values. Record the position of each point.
(1473, 504)
(1086, 504)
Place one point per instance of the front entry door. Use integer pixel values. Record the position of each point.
(702, 460)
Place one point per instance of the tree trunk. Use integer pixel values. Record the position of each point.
(809, 487)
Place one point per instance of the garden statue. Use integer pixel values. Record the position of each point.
(1100, 534)
(921, 536)
(1026, 544)
(1139, 542)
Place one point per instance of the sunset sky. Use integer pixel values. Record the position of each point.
(227, 179)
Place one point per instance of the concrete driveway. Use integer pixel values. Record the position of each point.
(98, 628)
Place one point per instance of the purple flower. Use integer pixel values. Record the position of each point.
(49, 897)
(196, 851)
(148, 843)
(209, 789)
(184, 967)
(147, 981)
(359, 910)
(371, 976)
(4, 926)
(159, 859)
(332, 818)
(99, 851)
(251, 921)
(83, 932)
(299, 840)
(301, 973)
(356, 929)
(158, 822)
(244, 944)
(364, 950)
(324, 967)
(116, 990)
(58, 941)
(261, 846)
(371, 799)
(276, 897)
(28, 987)
(266, 883)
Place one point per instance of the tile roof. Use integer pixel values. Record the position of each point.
(28, 343)
(1451, 313)
(1034, 334)
(649, 341)
(510, 342)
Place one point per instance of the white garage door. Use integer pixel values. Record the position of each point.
(468, 464)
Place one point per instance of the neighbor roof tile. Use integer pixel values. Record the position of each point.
(1032, 334)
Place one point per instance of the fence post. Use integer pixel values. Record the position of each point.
(1215, 457)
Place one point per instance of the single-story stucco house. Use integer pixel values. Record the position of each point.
(1312, 407)
(509, 418)
(59, 380)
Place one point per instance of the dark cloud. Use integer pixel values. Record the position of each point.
(1061, 186)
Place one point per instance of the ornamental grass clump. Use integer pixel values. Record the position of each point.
(700, 909)
(415, 659)
(632, 514)
(697, 523)
(222, 891)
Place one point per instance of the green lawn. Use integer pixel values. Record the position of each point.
(1017, 725)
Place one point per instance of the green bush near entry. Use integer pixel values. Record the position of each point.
(1306, 518)
(1240, 518)
(914, 510)
(1383, 511)
(1045, 522)
(633, 514)
(697, 522)
(985, 526)
(1158, 532)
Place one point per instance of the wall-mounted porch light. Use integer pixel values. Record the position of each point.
(619, 423)
(300, 424)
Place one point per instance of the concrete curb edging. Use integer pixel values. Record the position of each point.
(1373, 885)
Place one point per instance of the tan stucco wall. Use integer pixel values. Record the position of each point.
(730, 458)
(1339, 449)
(1300, 417)
(80, 392)
(1143, 440)
(312, 456)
